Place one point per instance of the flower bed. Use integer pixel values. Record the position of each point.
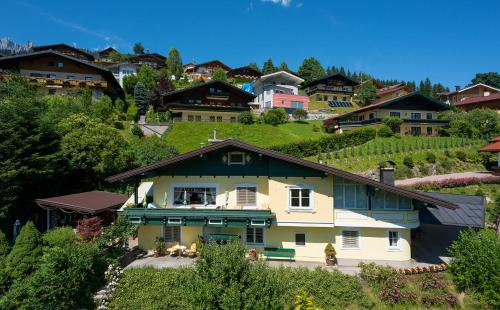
(434, 185)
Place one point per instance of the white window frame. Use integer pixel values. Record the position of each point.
(310, 208)
(175, 221)
(355, 196)
(242, 162)
(256, 194)
(174, 185)
(261, 223)
(215, 222)
(398, 246)
(252, 243)
(163, 232)
(342, 239)
(295, 239)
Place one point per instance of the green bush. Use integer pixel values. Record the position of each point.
(430, 157)
(25, 255)
(408, 162)
(151, 150)
(275, 117)
(299, 114)
(461, 155)
(476, 263)
(310, 147)
(60, 237)
(246, 117)
(136, 131)
(384, 131)
(394, 123)
(132, 112)
(103, 108)
(118, 125)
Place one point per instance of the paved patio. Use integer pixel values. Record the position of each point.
(347, 266)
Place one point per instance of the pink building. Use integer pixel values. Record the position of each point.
(290, 102)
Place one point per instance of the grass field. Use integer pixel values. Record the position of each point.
(187, 136)
(369, 155)
(317, 105)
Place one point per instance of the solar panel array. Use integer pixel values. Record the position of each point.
(341, 104)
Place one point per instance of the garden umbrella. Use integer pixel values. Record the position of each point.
(17, 229)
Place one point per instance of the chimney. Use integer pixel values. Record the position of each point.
(457, 88)
(387, 173)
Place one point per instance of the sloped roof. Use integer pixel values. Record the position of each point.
(472, 86)
(285, 74)
(493, 147)
(388, 102)
(54, 46)
(347, 81)
(392, 89)
(469, 214)
(108, 75)
(281, 156)
(479, 99)
(216, 62)
(210, 83)
(246, 70)
(86, 202)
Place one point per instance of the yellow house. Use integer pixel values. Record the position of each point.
(418, 112)
(272, 200)
(393, 91)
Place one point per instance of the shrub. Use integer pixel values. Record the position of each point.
(275, 117)
(132, 112)
(316, 128)
(151, 150)
(408, 162)
(461, 155)
(89, 228)
(60, 237)
(394, 123)
(475, 264)
(384, 131)
(430, 157)
(118, 125)
(246, 117)
(24, 257)
(310, 147)
(299, 114)
(5, 247)
(376, 274)
(103, 108)
(136, 131)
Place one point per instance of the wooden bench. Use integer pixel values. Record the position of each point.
(279, 253)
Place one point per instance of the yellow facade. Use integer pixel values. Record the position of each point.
(205, 116)
(318, 222)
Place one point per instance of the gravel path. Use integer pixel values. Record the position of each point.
(461, 175)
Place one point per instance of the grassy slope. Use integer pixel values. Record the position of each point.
(188, 136)
(364, 163)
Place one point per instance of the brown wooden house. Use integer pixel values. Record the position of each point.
(56, 73)
(204, 70)
(214, 101)
(153, 60)
(245, 72)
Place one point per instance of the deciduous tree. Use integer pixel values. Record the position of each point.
(138, 48)
(219, 75)
(367, 93)
(488, 78)
(174, 63)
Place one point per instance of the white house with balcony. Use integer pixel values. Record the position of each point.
(123, 69)
(279, 90)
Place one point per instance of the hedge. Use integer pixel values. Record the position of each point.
(334, 142)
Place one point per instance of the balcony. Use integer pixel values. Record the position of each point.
(69, 83)
(378, 219)
(405, 121)
(199, 217)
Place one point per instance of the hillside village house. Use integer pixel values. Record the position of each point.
(105, 54)
(489, 101)
(66, 50)
(336, 90)
(279, 90)
(57, 73)
(474, 91)
(245, 73)
(204, 70)
(418, 112)
(233, 190)
(393, 91)
(213, 101)
(153, 60)
(121, 70)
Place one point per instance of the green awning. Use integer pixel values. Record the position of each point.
(199, 217)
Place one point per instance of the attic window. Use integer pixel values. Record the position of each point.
(236, 158)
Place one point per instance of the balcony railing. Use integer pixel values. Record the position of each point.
(376, 218)
(405, 121)
(67, 82)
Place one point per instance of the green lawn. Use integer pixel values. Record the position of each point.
(317, 105)
(190, 136)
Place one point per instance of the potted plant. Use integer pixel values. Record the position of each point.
(159, 247)
(252, 254)
(330, 255)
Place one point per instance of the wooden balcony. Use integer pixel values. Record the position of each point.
(69, 83)
(375, 218)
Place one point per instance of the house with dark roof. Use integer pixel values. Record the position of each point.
(485, 101)
(244, 73)
(152, 60)
(393, 91)
(336, 90)
(57, 73)
(418, 112)
(476, 91)
(104, 55)
(273, 202)
(213, 101)
(66, 50)
(204, 70)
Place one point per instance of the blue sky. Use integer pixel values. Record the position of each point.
(447, 41)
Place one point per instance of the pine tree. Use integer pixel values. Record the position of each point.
(283, 67)
(140, 98)
(342, 71)
(254, 66)
(367, 93)
(25, 254)
(138, 48)
(311, 69)
(174, 63)
(268, 67)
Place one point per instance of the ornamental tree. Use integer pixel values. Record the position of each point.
(89, 228)
(24, 257)
(140, 98)
(299, 114)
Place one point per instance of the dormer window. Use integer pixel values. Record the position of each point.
(236, 158)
